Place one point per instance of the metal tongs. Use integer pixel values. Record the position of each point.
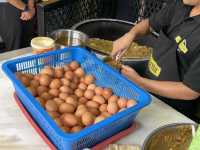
(117, 57)
(116, 60)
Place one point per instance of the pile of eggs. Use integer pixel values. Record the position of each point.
(71, 98)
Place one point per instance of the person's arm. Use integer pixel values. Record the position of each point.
(169, 89)
(31, 4)
(125, 41)
(17, 3)
(140, 29)
(156, 22)
(29, 14)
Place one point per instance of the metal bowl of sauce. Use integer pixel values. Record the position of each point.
(177, 136)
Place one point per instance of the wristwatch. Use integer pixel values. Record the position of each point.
(25, 8)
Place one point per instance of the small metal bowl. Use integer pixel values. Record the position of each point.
(66, 37)
(177, 136)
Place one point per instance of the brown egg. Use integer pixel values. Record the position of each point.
(87, 118)
(74, 97)
(99, 119)
(122, 102)
(66, 89)
(103, 108)
(54, 92)
(41, 101)
(75, 80)
(46, 96)
(18, 75)
(25, 81)
(91, 87)
(32, 90)
(58, 101)
(37, 77)
(131, 102)
(42, 89)
(47, 70)
(76, 129)
(59, 72)
(94, 111)
(98, 90)
(65, 129)
(73, 86)
(79, 112)
(58, 121)
(51, 105)
(107, 93)
(99, 99)
(29, 76)
(66, 108)
(79, 72)
(63, 95)
(106, 114)
(34, 83)
(69, 75)
(55, 84)
(72, 101)
(82, 86)
(65, 81)
(82, 79)
(45, 80)
(89, 94)
(113, 98)
(112, 108)
(79, 92)
(81, 106)
(67, 68)
(89, 79)
(53, 114)
(92, 104)
(73, 65)
(70, 120)
(82, 100)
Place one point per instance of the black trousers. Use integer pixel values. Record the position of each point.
(14, 32)
(10, 26)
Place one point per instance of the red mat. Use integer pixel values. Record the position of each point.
(99, 146)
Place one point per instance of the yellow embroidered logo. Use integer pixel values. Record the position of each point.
(182, 44)
(153, 67)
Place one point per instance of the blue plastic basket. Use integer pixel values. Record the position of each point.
(105, 77)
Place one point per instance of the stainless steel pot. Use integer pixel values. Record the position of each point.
(68, 37)
(160, 138)
(112, 29)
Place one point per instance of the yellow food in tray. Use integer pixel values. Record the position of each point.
(105, 47)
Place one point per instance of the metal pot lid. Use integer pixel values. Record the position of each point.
(74, 27)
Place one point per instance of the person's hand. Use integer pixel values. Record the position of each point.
(121, 45)
(28, 15)
(130, 73)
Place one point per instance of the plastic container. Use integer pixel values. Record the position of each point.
(105, 77)
(42, 44)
